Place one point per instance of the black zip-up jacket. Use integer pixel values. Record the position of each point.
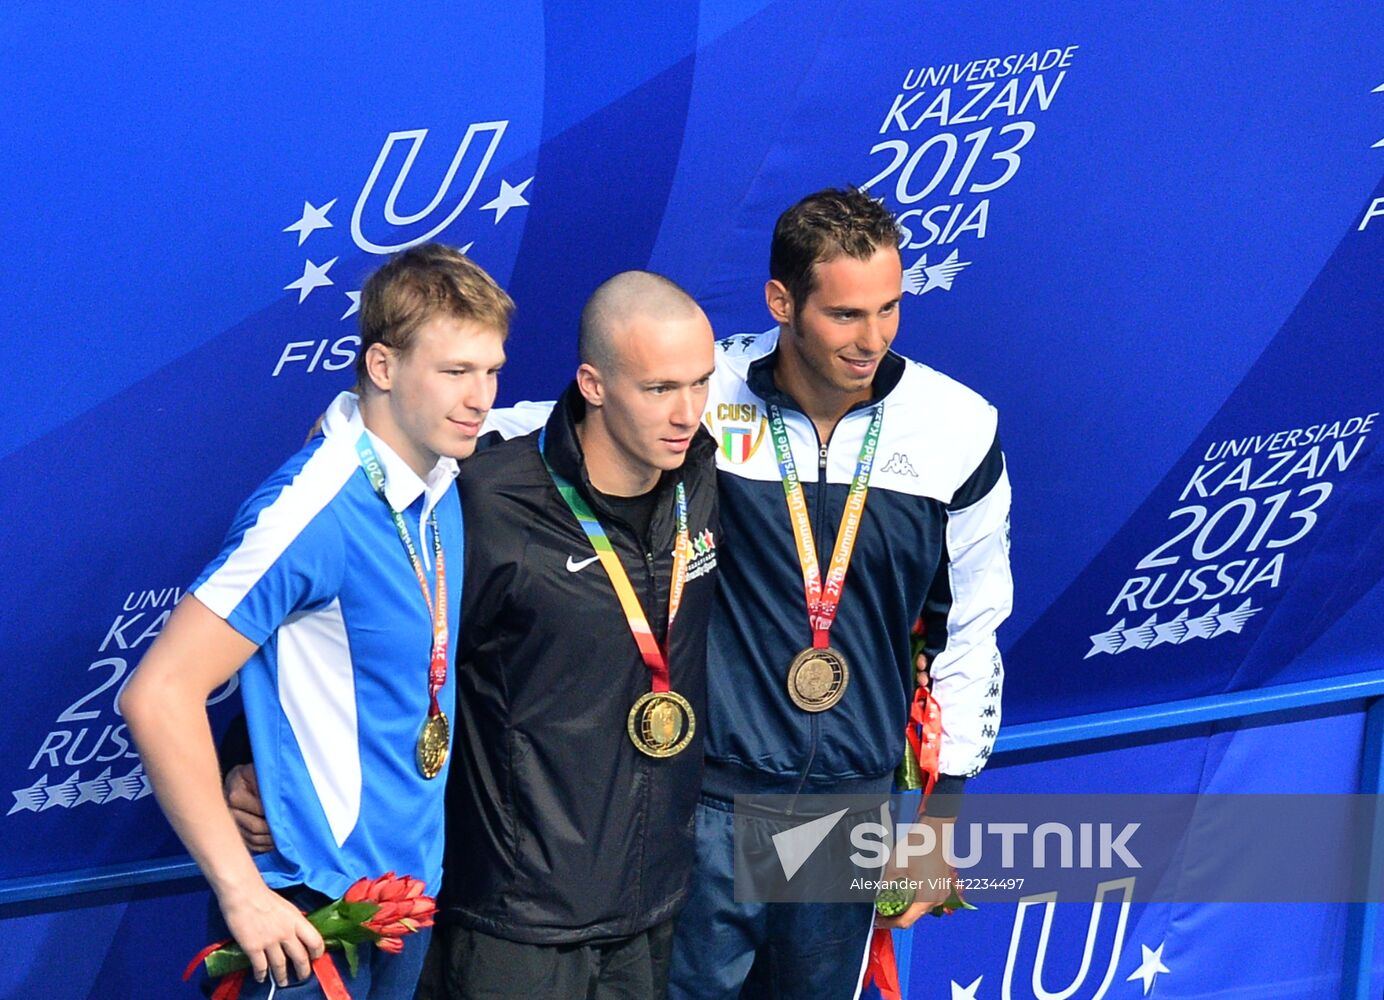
(558, 830)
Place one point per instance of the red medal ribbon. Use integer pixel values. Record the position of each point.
(883, 969)
(229, 987)
(329, 978)
(924, 733)
(437, 609)
(192, 966)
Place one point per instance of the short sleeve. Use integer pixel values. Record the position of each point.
(284, 552)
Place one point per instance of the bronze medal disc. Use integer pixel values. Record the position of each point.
(817, 679)
(432, 745)
(661, 723)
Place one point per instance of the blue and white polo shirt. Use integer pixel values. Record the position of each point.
(314, 572)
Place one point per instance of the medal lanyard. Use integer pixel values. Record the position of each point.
(822, 601)
(654, 656)
(437, 609)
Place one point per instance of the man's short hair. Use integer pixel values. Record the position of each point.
(619, 299)
(831, 223)
(419, 284)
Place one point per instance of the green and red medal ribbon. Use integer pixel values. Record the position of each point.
(653, 654)
(824, 599)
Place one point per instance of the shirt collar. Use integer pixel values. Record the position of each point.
(402, 486)
(760, 377)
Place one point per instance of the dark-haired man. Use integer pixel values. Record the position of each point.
(809, 679)
(332, 597)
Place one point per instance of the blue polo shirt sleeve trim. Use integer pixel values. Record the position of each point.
(284, 552)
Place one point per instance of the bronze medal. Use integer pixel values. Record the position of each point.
(817, 679)
(432, 745)
(661, 723)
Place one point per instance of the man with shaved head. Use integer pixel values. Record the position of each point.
(590, 570)
(581, 669)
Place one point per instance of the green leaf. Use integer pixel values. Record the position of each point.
(342, 921)
(226, 960)
(352, 957)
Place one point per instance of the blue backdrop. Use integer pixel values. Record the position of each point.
(1153, 236)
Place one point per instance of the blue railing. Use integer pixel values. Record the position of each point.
(1366, 688)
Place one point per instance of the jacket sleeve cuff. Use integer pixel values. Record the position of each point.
(949, 787)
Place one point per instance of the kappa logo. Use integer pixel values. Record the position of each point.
(379, 225)
(739, 342)
(738, 429)
(899, 465)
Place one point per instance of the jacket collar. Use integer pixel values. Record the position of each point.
(760, 379)
(562, 448)
(402, 486)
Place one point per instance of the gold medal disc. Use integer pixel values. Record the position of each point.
(817, 679)
(661, 723)
(432, 745)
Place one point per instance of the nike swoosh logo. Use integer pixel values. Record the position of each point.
(575, 567)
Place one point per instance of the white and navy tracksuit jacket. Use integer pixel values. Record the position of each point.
(933, 543)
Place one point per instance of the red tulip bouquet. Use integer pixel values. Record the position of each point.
(374, 911)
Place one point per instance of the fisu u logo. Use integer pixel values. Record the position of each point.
(1124, 887)
(490, 132)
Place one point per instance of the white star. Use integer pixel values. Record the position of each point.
(1205, 626)
(355, 304)
(130, 786)
(1107, 642)
(94, 790)
(313, 219)
(1171, 631)
(313, 277)
(62, 795)
(30, 798)
(509, 197)
(1234, 621)
(920, 278)
(467, 248)
(1150, 968)
(960, 992)
(1141, 636)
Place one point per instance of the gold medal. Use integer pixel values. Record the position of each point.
(661, 723)
(817, 679)
(432, 745)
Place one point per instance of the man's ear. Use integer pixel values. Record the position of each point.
(779, 301)
(590, 386)
(380, 360)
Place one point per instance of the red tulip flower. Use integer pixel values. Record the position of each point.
(377, 911)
